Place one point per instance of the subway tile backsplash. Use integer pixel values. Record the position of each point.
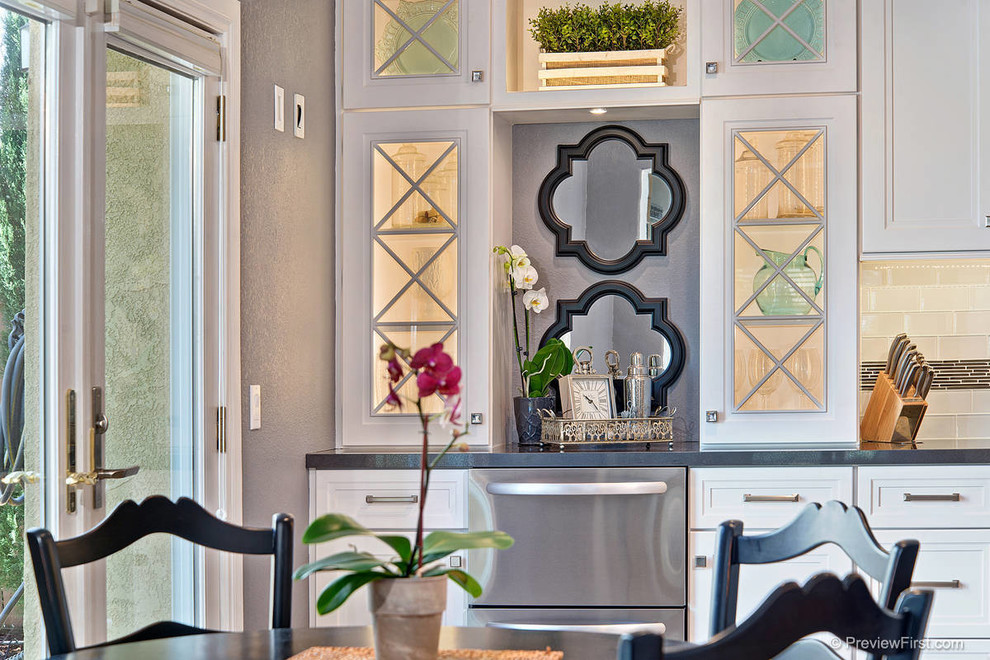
(944, 305)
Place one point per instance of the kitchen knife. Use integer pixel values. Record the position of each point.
(902, 363)
(925, 381)
(913, 369)
(894, 345)
(898, 352)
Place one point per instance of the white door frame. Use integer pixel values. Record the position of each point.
(74, 208)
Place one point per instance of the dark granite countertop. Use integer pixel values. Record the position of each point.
(687, 454)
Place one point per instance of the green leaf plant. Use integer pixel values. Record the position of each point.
(649, 25)
(435, 375)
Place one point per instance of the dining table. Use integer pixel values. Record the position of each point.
(284, 643)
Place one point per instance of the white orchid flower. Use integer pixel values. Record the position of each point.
(537, 300)
(524, 278)
(519, 257)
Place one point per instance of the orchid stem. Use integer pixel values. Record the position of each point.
(424, 484)
(515, 332)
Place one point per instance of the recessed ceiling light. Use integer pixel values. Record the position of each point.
(598, 111)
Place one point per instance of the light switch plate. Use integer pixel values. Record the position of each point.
(279, 109)
(254, 396)
(299, 115)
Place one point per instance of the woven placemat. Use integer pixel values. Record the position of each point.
(359, 653)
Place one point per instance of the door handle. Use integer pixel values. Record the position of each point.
(953, 497)
(611, 488)
(771, 498)
(947, 584)
(390, 499)
(102, 474)
(612, 628)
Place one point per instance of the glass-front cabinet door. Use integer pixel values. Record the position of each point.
(406, 53)
(779, 270)
(778, 46)
(415, 262)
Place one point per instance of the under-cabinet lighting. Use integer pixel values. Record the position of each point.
(598, 111)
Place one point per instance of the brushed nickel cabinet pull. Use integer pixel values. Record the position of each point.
(771, 498)
(391, 499)
(947, 584)
(953, 497)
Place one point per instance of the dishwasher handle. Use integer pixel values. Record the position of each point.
(610, 628)
(560, 488)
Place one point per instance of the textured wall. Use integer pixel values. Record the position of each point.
(675, 276)
(287, 270)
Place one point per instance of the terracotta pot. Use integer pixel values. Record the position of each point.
(407, 616)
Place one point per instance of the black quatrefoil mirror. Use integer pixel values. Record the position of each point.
(612, 199)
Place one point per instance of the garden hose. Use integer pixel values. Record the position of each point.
(12, 411)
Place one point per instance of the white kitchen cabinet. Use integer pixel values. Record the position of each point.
(779, 271)
(381, 500)
(763, 498)
(925, 126)
(778, 47)
(955, 565)
(912, 496)
(414, 236)
(393, 53)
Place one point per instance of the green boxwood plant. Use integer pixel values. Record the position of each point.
(653, 24)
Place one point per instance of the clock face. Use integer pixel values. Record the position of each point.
(590, 398)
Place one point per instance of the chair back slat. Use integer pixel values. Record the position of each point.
(130, 522)
(844, 608)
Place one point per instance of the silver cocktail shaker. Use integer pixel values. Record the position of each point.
(637, 388)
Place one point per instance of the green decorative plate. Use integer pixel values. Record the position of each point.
(807, 20)
(417, 59)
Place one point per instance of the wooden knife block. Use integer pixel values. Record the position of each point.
(891, 417)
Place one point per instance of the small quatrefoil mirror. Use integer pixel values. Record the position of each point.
(612, 199)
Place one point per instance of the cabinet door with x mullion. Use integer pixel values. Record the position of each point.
(752, 47)
(412, 53)
(779, 270)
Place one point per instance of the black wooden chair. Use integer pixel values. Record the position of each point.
(130, 522)
(816, 525)
(844, 608)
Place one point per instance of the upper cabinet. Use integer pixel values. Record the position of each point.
(925, 126)
(755, 47)
(415, 263)
(401, 53)
(778, 270)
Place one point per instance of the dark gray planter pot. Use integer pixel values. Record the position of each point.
(528, 422)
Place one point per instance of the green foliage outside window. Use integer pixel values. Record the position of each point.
(610, 27)
(13, 160)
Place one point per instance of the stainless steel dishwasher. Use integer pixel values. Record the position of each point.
(596, 549)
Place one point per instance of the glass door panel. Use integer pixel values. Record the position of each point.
(419, 38)
(22, 115)
(779, 31)
(150, 338)
(778, 270)
(415, 193)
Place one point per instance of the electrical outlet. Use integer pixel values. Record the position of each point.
(279, 109)
(254, 396)
(299, 115)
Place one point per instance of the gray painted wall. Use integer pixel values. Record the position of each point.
(287, 271)
(675, 276)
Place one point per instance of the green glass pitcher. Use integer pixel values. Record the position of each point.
(779, 298)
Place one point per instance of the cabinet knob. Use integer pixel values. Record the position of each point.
(477, 76)
(986, 221)
(711, 67)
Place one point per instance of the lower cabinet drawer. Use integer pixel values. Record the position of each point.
(955, 564)
(763, 498)
(388, 499)
(952, 496)
(355, 611)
